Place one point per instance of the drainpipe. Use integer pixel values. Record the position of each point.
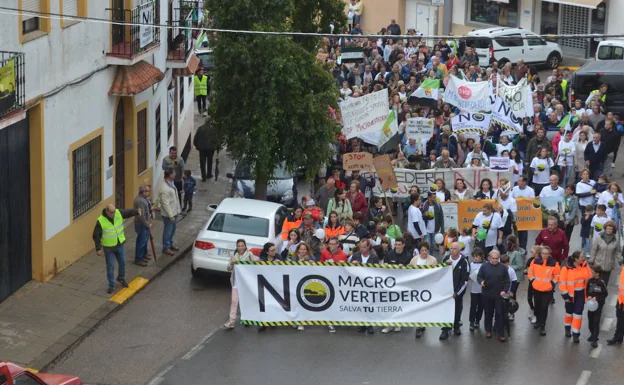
(176, 111)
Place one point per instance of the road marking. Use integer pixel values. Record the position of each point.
(584, 378)
(571, 68)
(613, 300)
(128, 292)
(197, 348)
(606, 324)
(595, 353)
(160, 377)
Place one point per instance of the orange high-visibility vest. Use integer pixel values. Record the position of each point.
(621, 288)
(544, 275)
(574, 279)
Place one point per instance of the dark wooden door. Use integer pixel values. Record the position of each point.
(15, 235)
(119, 14)
(120, 143)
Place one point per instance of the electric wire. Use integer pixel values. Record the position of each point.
(59, 16)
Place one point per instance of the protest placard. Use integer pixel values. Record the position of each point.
(385, 173)
(450, 215)
(467, 210)
(359, 161)
(468, 96)
(365, 114)
(466, 122)
(419, 128)
(500, 164)
(504, 116)
(529, 216)
(516, 96)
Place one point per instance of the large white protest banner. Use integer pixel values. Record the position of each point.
(419, 128)
(425, 178)
(516, 96)
(503, 116)
(465, 122)
(366, 114)
(468, 96)
(293, 294)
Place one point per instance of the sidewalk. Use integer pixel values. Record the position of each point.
(41, 320)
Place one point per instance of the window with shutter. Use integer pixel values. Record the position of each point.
(30, 23)
(70, 7)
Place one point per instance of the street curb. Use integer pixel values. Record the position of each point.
(64, 345)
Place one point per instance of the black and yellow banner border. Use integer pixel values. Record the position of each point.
(377, 265)
(347, 323)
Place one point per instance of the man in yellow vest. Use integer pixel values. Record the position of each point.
(602, 91)
(201, 91)
(109, 239)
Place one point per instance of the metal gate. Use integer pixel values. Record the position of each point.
(573, 20)
(15, 241)
(120, 149)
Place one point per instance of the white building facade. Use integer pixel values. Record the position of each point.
(93, 110)
(555, 17)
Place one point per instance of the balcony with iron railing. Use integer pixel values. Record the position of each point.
(12, 86)
(180, 36)
(132, 35)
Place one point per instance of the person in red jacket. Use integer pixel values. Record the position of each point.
(556, 239)
(334, 253)
(357, 199)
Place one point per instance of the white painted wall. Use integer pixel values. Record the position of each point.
(526, 15)
(615, 10)
(459, 11)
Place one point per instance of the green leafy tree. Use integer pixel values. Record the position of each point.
(270, 96)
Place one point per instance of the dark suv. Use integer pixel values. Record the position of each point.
(589, 78)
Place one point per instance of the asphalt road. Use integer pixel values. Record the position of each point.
(170, 334)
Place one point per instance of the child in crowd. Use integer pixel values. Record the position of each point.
(189, 190)
(349, 239)
(450, 237)
(602, 185)
(476, 301)
(393, 231)
(535, 251)
(596, 290)
(465, 240)
(598, 221)
(586, 221)
(513, 278)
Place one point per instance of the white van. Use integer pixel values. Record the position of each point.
(610, 50)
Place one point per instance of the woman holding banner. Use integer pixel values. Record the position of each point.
(240, 255)
(423, 259)
(461, 192)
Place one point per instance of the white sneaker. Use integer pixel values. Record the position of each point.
(300, 328)
(612, 165)
(533, 319)
(386, 330)
(397, 329)
(332, 329)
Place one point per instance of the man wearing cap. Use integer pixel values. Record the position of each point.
(201, 91)
(394, 28)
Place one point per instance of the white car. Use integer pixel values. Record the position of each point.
(504, 45)
(255, 221)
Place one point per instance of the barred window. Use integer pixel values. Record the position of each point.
(87, 176)
(157, 133)
(142, 140)
(181, 85)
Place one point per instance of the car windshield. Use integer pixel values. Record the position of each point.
(206, 59)
(480, 43)
(240, 224)
(592, 82)
(609, 52)
(244, 171)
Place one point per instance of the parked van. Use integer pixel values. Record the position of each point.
(589, 78)
(610, 50)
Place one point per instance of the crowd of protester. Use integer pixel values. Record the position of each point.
(343, 222)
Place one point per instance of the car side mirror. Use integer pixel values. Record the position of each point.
(229, 175)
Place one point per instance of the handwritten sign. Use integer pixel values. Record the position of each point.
(450, 215)
(500, 164)
(357, 161)
(365, 114)
(385, 172)
(419, 128)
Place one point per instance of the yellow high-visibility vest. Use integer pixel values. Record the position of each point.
(201, 85)
(603, 98)
(112, 233)
(564, 88)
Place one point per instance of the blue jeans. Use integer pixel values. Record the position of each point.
(430, 238)
(115, 253)
(168, 232)
(141, 242)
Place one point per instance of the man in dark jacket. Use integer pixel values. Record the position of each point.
(206, 142)
(494, 279)
(142, 225)
(399, 255)
(109, 239)
(432, 211)
(394, 28)
(595, 155)
(364, 181)
(461, 275)
(611, 138)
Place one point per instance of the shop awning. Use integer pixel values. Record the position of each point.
(190, 69)
(134, 79)
(593, 4)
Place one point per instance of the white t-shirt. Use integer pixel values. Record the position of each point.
(516, 166)
(495, 223)
(414, 215)
(467, 241)
(543, 175)
(431, 222)
(598, 224)
(460, 195)
(475, 288)
(581, 188)
(421, 262)
(527, 192)
(513, 277)
(509, 204)
(548, 192)
(567, 150)
(607, 199)
(500, 148)
(440, 196)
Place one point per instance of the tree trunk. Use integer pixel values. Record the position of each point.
(261, 185)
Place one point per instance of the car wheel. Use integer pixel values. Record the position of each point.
(553, 61)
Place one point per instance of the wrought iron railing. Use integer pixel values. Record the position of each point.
(131, 40)
(12, 83)
(180, 37)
